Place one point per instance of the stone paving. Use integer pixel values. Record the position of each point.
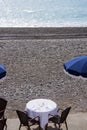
(76, 121)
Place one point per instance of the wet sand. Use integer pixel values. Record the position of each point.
(34, 60)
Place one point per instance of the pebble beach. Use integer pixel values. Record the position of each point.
(34, 59)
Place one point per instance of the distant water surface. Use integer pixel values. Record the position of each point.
(43, 13)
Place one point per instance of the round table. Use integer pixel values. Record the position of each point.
(41, 108)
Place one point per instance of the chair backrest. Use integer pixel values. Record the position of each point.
(2, 123)
(64, 114)
(3, 103)
(22, 117)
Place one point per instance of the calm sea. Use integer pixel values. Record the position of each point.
(43, 13)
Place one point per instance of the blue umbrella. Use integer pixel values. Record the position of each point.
(77, 66)
(2, 71)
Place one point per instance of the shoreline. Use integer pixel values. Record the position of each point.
(8, 33)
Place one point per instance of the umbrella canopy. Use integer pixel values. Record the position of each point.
(2, 71)
(77, 66)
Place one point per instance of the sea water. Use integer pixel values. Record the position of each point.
(43, 13)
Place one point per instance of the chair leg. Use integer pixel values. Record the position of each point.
(39, 127)
(59, 126)
(28, 128)
(5, 126)
(46, 126)
(56, 125)
(66, 125)
(20, 127)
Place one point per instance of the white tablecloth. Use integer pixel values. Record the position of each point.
(41, 108)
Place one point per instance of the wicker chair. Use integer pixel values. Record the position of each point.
(3, 104)
(59, 119)
(3, 124)
(27, 121)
